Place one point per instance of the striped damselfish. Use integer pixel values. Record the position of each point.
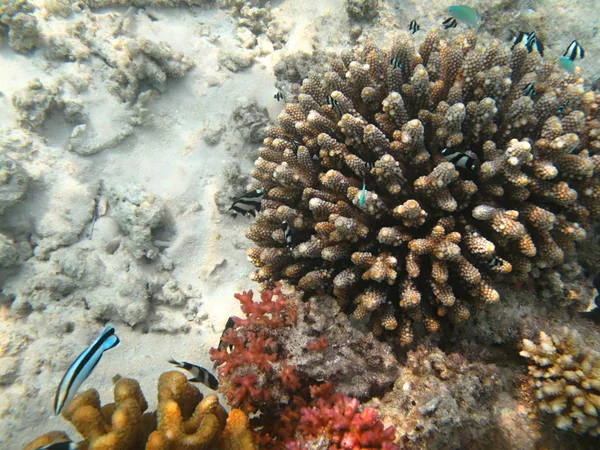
(65, 445)
(464, 14)
(201, 375)
(83, 367)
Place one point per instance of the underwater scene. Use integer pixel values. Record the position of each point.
(299, 224)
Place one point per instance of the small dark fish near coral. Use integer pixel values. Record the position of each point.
(83, 367)
(529, 90)
(413, 27)
(561, 108)
(396, 64)
(332, 101)
(287, 233)
(530, 41)
(278, 96)
(574, 51)
(460, 159)
(201, 375)
(494, 262)
(228, 326)
(294, 143)
(450, 22)
(67, 445)
(249, 203)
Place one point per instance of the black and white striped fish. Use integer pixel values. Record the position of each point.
(201, 375)
(67, 445)
(396, 64)
(332, 101)
(295, 144)
(83, 367)
(287, 233)
(461, 159)
(370, 165)
(530, 41)
(450, 22)
(574, 51)
(249, 203)
(229, 325)
(413, 27)
(529, 90)
(278, 96)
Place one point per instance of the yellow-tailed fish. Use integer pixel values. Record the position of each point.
(464, 14)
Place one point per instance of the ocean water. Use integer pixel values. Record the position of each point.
(128, 129)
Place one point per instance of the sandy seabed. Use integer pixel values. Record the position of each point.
(149, 119)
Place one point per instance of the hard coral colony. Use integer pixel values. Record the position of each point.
(428, 239)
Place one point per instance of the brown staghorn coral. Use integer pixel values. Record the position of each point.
(427, 237)
(565, 376)
(184, 419)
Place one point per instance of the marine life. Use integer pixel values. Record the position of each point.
(529, 90)
(249, 203)
(561, 108)
(460, 159)
(201, 375)
(66, 445)
(395, 63)
(574, 51)
(465, 14)
(229, 325)
(450, 22)
(362, 194)
(530, 41)
(414, 26)
(278, 96)
(332, 101)
(294, 143)
(287, 233)
(567, 64)
(83, 367)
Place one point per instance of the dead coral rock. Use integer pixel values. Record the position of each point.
(250, 120)
(13, 182)
(356, 363)
(440, 401)
(21, 26)
(362, 10)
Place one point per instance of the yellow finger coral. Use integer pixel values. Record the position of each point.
(184, 419)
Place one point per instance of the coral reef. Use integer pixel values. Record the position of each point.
(362, 10)
(183, 419)
(330, 420)
(271, 356)
(565, 376)
(468, 181)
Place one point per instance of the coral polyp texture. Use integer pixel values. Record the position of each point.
(416, 181)
(565, 376)
(184, 418)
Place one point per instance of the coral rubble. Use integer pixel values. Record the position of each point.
(466, 181)
(565, 376)
(183, 419)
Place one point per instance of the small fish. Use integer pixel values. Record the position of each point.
(201, 375)
(567, 64)
(278, 96)
(228, 326)
(464, 14)
(561, 108)
(530, 41)
(396, 64)
(413, 26)
(83, 367)
(574, 51)
(450, 22)
(370, 165)
(295, 144)
(362, 194)
(332, 101)
(287, 233)
(529, 90)
(494, 262)
(67, 445)
(249, 203)
(460, 159)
